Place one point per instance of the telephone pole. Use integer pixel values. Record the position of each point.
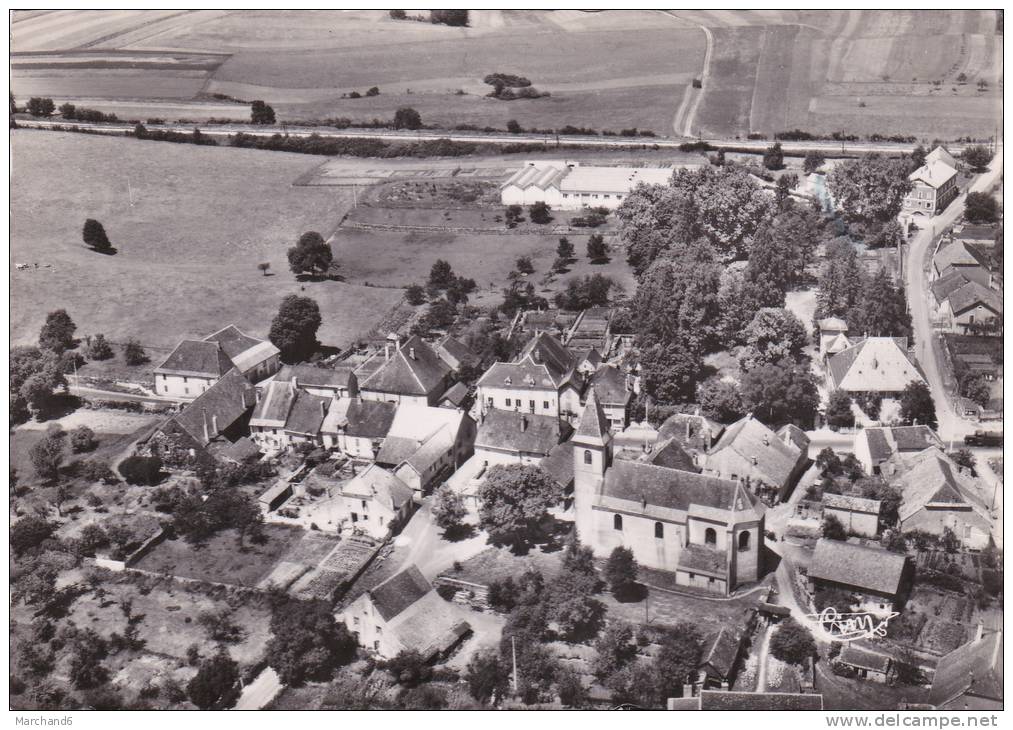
(513, 645)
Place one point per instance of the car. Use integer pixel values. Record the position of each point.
(983, 438)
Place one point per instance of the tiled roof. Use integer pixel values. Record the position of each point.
(274, 405)
(941, 153)
(518, 376)
(850, 503)
(933, 173)
(703, 559)
(455, 394)
(307, 414)
(776, 701)
(430, 626)
(359, 418)
(955, 254)
(413, 369)
(856, 656)
(377, 483)
(233, 340)
(934, 478)
(242, 450)
(885, 441)
(540, 176)
(947, 284)
(692, 431)
(399, 592)
(196, 358)
(874, 364)
(544, 349)
(974, 232)
(671, 454)
(721, 651)
(866, 568)
(971, 294)
(593, 425)
(559, 463)
(454, 352)
(311, 376)
(227, 401)
(396, 449)
(519, 432)
(610, 384)
(974, 668)
(790, 433)
(769, 455)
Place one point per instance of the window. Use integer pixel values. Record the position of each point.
(355, 620)
(184, 378)
(531, 406)
(617, 522)
(364, 504)
(659, 530)
(710, 581)
(379, 631)
(545, 404)
(381, 521)
(489, 401)
(743, 541)
(587, 456)
(186, 391)
(508, 402)
(710, 537)
(376, 646)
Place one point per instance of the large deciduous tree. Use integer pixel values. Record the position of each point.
(869, 189)
(294, 328)
(94, 235)
(792, 642)
(310, 255)
(774, 334)
(916, 404)
(881, 310)
(306, 642)
(781, 393)
(57, 333)
(981, 208)
(216, 684)
(720, 400)
(514, 499)
(261, 113)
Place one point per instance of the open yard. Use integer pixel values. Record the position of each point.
(190, 225)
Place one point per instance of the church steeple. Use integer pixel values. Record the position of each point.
(593, 427)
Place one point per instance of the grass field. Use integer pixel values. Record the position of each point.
(190, 224)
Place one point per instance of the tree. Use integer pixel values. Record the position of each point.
(977, 389)
(597, 249)
(41, 107)
(813, 161)
(918, 155)
(441, 275)
(514, 500)
(146, 470)
(57, 333)
(524, 265)
(82, 439)
(565, 249)
(839, 413)
(916, 404)
(215, 686)
(88, 649)
(792, 642)
(261, 113)
(540, 213)
(220, 625)
(591, 290)
(449, 17)
(306, 642)
(407, 118)
(29, 533)
(869, 189)
(486, 676)
(449, 509)
(514, 127)
(636, 684)
(310, 255)
(773, 157)
(981, 208)
(977, 156)
(294, 328)
(833, 529)
(512, 215)
(46, 456)
(264, 267)
(621, 571)
(773, 335)
(98, 348)
(781, 393)
(841, 281)
(133, 353)
(881, 310)
(677, 659)
(94, 235)
(889, 235)
(720, 400)
(670, 374)
(614, 649)
(415, 295)
(571, 689)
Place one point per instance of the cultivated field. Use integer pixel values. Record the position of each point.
(190, 223)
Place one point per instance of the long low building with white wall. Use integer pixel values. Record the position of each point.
(570, 186)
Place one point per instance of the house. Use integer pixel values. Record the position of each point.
(570, 186)
(287, 415)
(968, 307)
(874, 447)
(542, 381)
(614, 389)
(877, 579)
(521, 437)
(275, 495)
(357, 427)
(870, 665)
(933, 186)
(695, 433)
(876, 366)
(455, 397)
(404, 613)
(456, 354)
(720, 658)
(770, 464)
(706, 530)
(256, 359)
(195, 365)
(970, 676)
(720, 700)
(860, 516)
(410, 372)
(219, 413)
(340, 382)
(426, 444)
(635, 439)
(961, 257)
(588, 361)
(936, 496)
(374, 501)
(833, 336)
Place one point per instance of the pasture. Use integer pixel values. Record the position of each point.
(190, 225)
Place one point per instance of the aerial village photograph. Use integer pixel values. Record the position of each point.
(554, 360)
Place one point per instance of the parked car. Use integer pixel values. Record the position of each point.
(983, 438)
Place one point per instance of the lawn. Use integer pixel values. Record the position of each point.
(190, 223)
(220, 560)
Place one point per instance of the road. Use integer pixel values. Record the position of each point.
(828, 148)
(260, 691)
(761, 676)
(686, 113)
(951, 425)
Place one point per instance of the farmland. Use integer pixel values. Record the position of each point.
(183, 269)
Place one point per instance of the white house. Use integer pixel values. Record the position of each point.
(883, 450)
(287, 415)
(195, 365)
(933, 185)
(425, 444)
(572, 186)
(542, 381)
(357, 427)
(410, 372)
(876, 365)
(373, 501)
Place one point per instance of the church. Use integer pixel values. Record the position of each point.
(706, 530)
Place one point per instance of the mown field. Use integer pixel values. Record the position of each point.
(190, 225)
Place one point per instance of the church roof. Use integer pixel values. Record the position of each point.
(593, 426)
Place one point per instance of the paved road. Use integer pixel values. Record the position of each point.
(260, 691)
(951, 425)
(829, 149)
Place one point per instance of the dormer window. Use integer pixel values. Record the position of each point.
(508, 380)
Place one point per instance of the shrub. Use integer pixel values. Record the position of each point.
(134, 354)
(98, 348)
(144, 470)
(82, 439)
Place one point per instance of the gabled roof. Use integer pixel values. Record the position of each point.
(307, 413)
(311, 376)
(359, 418)
(559, 464)
(974, 668)
(274, 405)
(692, 431)
(593, 426)
(396, 594)
(703, 559)
(519, 432)
(956, 254)
(770, 456)
(377, 483)
(874, 364)
(856, 656)
(669, 453)
(851, 503)
(971, 295)
(942, 154)
(196, 358)
(721, 651)
(544, 349)
(455, 353)
(245, 351)
(790, 433)
(455, 394)
(885, 441)
(610, 384)
(933, 173)
(413, 369)
(832, 324)
(947, 284)
(865, 568)
(518, 376)
(933, 478)
(225, 402)
(540, 176)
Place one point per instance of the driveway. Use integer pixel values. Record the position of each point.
(260, 691)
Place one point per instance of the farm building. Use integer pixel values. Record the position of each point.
(404, 613)
(964, 306)
(869, 664)
(874, 447)
(719, 660)
(522, 437)
(427, 444)
(966, 258)
(338, 382)
(706, 530)
(374, 501)
(860, 516)
(877, 579)
(933, 185)
(408, 372)
(970, 676)
(542, 381)
(695, 433)
(876, 366)
(455, 354)
(287, 415)
(195, 365)
(566, 185)
(357, 427)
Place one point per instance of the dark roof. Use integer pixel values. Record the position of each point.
(867, 568)
(369, 419)
(233, 340)
(275, 403)
(660, 486)
(946, 285)
(609, 384)
(413, 369)
(691, 430)
(721, 700)
(454, 352)
(772, 457)
(721, 651)
(971, 295)
(671, 454)
(197, 358)
(883, 441)
(559, 463)
(702, 559)
(311, 376)
(974, 668)
(545, 349)
(879, 446)
(228, 400)
(396, 594)
(954, 254)
(519, 375)
(593, 424)
(519, 432)
(856, 656)
(396, 449)
(848, 502)
(242, 450)
(976, 233)
(790, 433)
(455, 394)
(307, 414)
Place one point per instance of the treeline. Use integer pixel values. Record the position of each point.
(354, 147)
(166, 135)
(70, 111)
(797, 135)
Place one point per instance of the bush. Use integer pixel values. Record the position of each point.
(981, 208)
(98, 348)
(134, 354)
(792, 642)
(407, 118)
(143, 470)
(82, 439)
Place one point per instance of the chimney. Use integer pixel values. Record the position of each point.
(411, 352)
(755, 461)
(524, 424)
(204, 413)
(687, 689)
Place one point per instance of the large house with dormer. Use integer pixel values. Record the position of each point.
(707, 530)
(875, 366)
(933, 185)
(195, 365)
(405, 372)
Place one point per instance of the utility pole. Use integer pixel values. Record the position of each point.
(513, 645)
